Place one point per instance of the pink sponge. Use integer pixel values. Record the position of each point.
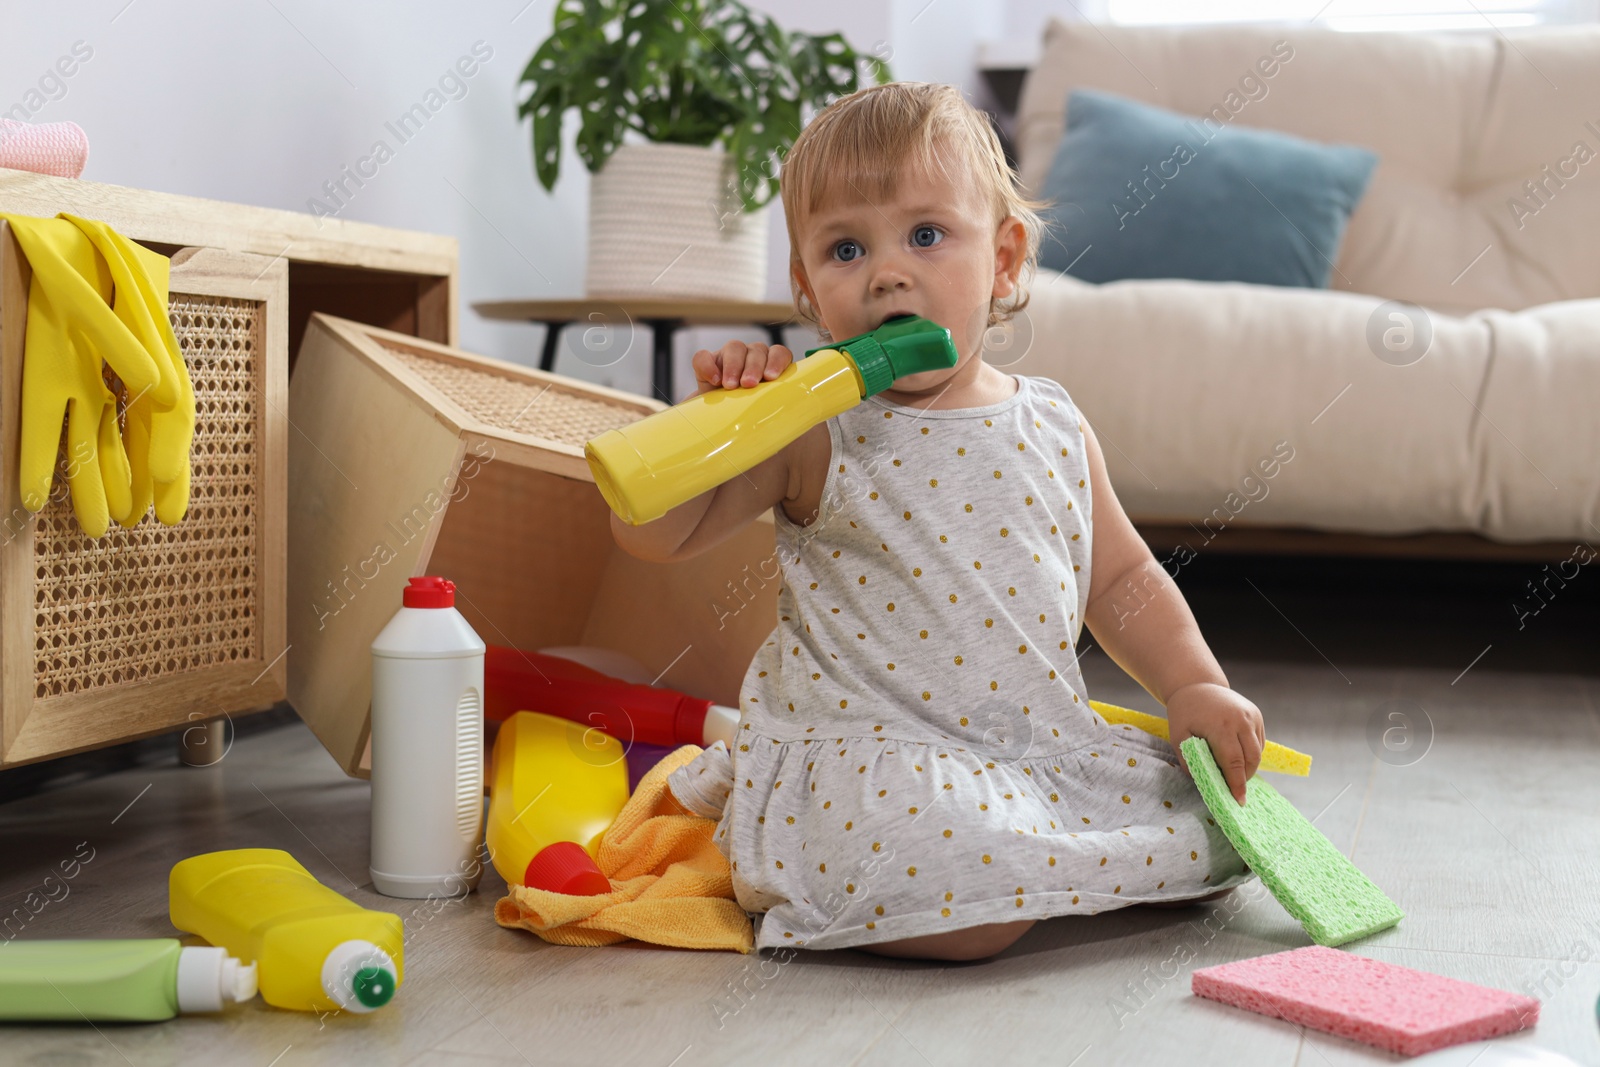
(59, 148)
(1382, 1004)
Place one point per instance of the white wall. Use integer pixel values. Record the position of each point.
(263, 101)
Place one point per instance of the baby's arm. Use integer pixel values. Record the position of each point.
(715, 515)
(1142, 621)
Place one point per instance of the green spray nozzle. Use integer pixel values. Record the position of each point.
(906, 344)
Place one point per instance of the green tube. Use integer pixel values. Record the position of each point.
(137, 980)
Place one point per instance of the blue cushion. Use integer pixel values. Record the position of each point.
(1143, 192)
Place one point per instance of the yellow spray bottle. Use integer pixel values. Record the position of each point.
(314, 950)
(649, 467)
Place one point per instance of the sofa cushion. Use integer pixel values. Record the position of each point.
(1190, 386)
(1481, 183)
(1143, 192)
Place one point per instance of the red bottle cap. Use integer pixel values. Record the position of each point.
(430, 591)
(565, 867)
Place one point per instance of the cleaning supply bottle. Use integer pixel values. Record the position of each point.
(314, 949)
(427, 747)
(649, 467)
(518, 680)
(555, 788)
(137, 980)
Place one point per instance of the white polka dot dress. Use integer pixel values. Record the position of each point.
(916, 752)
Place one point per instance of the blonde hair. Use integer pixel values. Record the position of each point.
(874, 137)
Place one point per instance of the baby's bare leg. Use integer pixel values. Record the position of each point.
(973, 943)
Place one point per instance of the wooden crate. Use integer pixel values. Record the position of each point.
(410, 457)
(143, 630)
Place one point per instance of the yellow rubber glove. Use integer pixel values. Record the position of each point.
(170, 431)
(71, 330)
(160, 422)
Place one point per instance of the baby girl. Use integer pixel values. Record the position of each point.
(917, 770)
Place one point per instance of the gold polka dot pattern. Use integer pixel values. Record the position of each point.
(922, 684)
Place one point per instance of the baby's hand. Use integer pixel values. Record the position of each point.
(1230, 724)
(739, 364)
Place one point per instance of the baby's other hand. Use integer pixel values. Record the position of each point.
(1230, 724)
(739, 364)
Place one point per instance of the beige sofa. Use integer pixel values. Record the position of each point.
(1490, 439)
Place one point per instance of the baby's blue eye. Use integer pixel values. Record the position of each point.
(916, 236)
(844, 244)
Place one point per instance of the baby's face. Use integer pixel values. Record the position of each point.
(932, 250)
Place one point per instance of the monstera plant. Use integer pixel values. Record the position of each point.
(687, 109)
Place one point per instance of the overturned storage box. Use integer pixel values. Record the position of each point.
(409, 457)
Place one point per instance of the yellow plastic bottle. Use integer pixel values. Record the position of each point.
(314, 950)
(649, 467)
(556, 787)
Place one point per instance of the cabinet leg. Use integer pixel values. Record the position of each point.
(204, 743)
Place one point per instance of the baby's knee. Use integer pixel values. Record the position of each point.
(988, 940)
(972, 943)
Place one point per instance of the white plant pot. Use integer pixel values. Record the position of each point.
(664, 223)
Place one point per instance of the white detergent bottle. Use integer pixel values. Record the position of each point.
(427, 747)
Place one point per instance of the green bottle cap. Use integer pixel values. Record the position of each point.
(374, 986)
(906, 344)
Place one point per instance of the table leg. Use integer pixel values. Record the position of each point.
(552, 339)
(775, 332)
(663, 330)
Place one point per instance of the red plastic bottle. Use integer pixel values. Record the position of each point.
(516, 680)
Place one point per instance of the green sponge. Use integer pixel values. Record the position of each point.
(1313, 880)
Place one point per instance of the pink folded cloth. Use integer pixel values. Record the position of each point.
(58, 148)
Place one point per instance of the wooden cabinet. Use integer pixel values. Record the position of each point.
(147, 630)
(398, 279)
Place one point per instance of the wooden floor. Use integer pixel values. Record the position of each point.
(1490, 842)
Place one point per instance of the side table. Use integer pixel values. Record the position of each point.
(664, 317)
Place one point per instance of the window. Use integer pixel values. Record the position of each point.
(1360, 15)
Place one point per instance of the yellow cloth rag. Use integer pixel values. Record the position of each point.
(670, 884)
